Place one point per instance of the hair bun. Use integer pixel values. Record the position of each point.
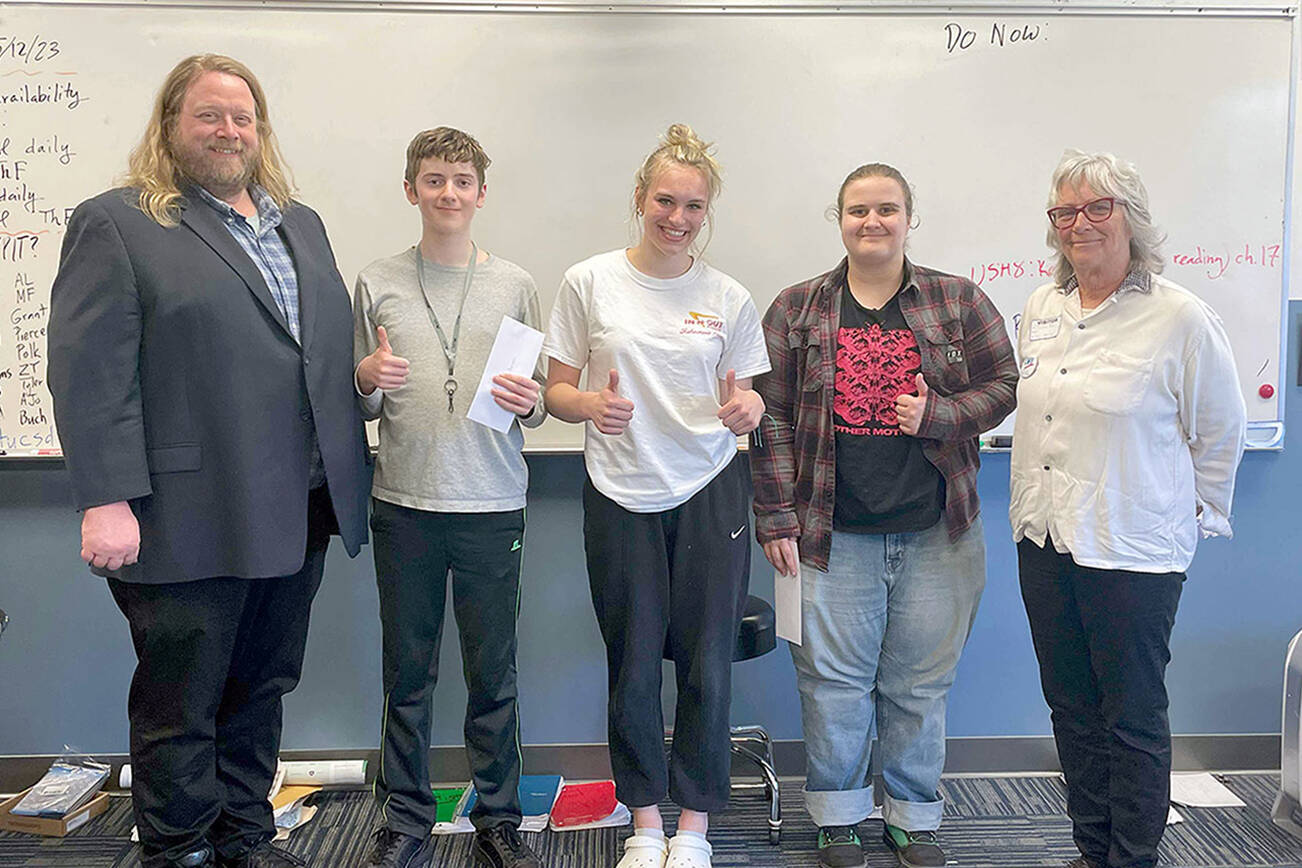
(682, 135)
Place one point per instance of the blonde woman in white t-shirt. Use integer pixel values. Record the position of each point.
(670, 345)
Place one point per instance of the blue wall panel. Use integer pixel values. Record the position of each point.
(65, 661)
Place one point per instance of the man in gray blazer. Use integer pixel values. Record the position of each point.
(200, 353)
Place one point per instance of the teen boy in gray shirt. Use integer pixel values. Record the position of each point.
(449, 496)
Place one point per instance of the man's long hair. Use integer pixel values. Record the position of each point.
(153, 170)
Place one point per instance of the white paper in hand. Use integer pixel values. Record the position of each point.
(786, 602)
(515, 351)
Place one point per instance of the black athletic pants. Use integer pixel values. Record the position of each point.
(1102, 639)
(679, 575)
(415, 550)
(214, 658)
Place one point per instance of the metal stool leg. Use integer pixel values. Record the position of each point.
(745, 740)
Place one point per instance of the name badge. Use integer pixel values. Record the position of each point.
(1043, 329)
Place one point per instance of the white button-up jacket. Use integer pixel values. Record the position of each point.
(1130, 425)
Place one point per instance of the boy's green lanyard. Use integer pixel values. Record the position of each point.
(449, 350)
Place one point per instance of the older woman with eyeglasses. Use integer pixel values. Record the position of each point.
(1130, 426)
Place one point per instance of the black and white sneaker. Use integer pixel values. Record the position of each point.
(393, 849)
(502, 847)
(263, 855)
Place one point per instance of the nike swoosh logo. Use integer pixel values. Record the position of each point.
(739, 531)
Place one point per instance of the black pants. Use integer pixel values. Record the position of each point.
(1102, 639)
(214, 659)
(681, 576)
(414, 551)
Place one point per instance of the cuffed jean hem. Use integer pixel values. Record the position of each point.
(913, 816)
(839, 807)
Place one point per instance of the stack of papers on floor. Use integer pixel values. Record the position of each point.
(289, 809)
(1202, 790)
(590, 805)
(537, 795)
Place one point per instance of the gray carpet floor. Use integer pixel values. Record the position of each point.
(1011, 822)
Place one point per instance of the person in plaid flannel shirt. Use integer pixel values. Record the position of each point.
(884, 373)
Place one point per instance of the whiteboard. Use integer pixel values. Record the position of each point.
(975, 108)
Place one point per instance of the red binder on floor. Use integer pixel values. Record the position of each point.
(589, 805)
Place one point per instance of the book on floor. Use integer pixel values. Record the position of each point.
(70, 783)
(458, 816)
(589, 805)
(537, 795)
(446, 801)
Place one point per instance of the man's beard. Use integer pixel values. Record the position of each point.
(223, 178)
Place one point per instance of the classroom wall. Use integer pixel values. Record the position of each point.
(66, 661)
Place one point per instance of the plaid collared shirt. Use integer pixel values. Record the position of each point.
(1138, 279)
(266, 248)
(268, 251)
(969, 367)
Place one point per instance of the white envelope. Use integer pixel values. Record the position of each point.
(786, 604)
(515, 351)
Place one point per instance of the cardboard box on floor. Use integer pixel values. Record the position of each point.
(49, 825)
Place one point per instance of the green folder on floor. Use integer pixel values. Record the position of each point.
(446, 800)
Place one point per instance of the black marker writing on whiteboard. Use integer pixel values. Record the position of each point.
(21, 193)
(50, 145)
(34, 49)
(17, 246)
(960, 38)
(59, 93)
(27, 322)
(24, 288)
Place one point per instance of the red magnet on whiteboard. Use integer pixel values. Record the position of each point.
(1266, 390)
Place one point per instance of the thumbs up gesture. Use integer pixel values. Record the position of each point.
(742, 407)
(910, 408)
(382, 369)
(608, 411)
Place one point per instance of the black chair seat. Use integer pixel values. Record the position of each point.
(759, 633)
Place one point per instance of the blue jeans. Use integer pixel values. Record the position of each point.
(883, 629)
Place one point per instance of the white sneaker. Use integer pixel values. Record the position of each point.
(644, 851)
(688, 851)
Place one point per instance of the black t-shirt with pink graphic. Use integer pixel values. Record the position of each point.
(884, 484)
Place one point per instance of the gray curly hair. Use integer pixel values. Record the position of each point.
(1107, 176)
